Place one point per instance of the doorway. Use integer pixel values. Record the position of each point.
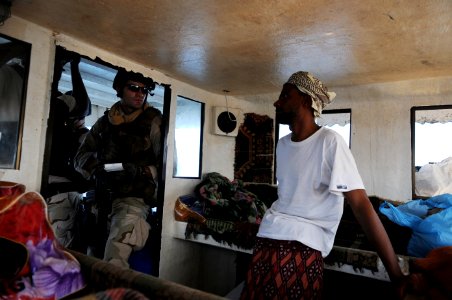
(97, 79)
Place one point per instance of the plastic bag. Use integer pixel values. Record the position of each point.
(434, 179)
(430, 231)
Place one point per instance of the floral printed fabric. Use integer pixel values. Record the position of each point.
(48, 272)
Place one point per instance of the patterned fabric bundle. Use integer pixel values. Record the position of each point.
(229, 201)
(225, 210)
(34, 265)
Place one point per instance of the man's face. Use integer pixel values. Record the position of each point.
(288, 104)
(134, 94)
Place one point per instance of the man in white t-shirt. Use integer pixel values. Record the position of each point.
(315, 172)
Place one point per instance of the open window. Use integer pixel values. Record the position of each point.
(338, 120)
(97, 77)
(14, 67)
(431, 129)
(188, 138)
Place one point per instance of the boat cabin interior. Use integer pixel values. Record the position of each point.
(219, 66)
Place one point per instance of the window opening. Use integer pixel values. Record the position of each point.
(431, 150)
(338, 120)
(188, 138)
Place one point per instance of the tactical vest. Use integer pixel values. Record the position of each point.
(129, 143)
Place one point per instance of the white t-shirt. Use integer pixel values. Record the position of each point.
(312, 175)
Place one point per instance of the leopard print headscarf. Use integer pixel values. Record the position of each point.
(310, 85)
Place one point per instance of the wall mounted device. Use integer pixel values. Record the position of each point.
(226, 121)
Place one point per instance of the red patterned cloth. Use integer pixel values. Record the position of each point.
(283, 270)
(46, 271)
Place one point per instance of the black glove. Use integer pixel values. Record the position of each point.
(99, 173)
(132, 170)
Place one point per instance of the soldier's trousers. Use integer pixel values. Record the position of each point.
(128, 230)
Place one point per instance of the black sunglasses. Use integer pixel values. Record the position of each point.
(135, 88)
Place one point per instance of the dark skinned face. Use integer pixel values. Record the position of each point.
(288, 104)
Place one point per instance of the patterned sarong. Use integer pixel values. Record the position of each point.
(284, 270)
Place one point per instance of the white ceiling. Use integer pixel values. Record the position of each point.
(252, 47)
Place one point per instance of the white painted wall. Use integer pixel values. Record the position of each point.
(380, 143)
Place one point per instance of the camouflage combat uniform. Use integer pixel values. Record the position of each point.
(136, 144)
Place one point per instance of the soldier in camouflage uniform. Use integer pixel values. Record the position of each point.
(127, 135)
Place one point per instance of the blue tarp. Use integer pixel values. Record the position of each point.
(430, 231)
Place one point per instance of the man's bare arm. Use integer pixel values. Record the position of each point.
(375, 232)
